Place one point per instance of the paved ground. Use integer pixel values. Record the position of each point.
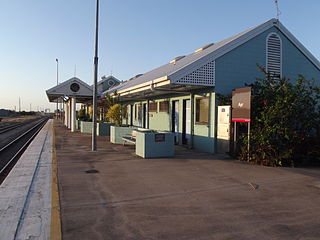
(192, 196)
(25, 194)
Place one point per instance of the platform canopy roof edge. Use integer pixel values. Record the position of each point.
(74, 87)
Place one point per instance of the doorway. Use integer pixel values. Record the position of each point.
(145, 116)
(175, 120)
(131, 115)
(186, 123)
(224, 129)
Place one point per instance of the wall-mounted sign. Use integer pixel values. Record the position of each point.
(241, 105)
(159, 137)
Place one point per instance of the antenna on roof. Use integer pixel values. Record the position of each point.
(277, 9)
(75, 70)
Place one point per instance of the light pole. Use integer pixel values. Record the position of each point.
(57, 84)
(94, 117)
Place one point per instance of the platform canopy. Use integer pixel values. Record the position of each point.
(73, 87)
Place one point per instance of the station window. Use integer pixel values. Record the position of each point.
(135, 111)
(153, 106)
(202, 110)
(164, 106)
(139, 112)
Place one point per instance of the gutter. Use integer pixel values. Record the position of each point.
(153, 89)
(145, 86)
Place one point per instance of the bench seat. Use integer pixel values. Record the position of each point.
(128, 139)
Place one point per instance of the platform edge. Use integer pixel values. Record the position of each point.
(55, 230)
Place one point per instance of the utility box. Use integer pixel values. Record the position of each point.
(154, 144)
(224, 129)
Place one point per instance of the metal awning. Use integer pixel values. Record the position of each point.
(155, 91)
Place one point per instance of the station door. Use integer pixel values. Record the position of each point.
(224, 129)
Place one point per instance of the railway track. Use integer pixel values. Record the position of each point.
(10, 127)
(11, 152)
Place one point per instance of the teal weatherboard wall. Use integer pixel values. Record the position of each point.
(239, 66)
(232, 70)
(203, 137)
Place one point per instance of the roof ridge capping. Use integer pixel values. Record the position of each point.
(204, 47)
(176, 59)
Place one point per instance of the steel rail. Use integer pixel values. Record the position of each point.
(10, 127)
(42, 123)
(16, 125)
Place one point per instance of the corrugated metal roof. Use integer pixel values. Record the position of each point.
(212, 51)
(169, 68)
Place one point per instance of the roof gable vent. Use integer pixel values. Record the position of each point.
(274, 55)
(173, 61)
(203, 48)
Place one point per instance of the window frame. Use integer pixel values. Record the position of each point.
(197, 112)
(151, 109)
(167, 103)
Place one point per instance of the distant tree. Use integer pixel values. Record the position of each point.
(285, 128)
(109, 101)
(90, 112)
(82, 114)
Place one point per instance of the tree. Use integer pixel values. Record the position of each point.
(116, 113)
(285, 121)
(82, 114)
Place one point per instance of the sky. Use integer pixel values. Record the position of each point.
(135, 36)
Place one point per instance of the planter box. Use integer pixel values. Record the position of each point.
(85, 127)
(150, 144)
(116, 133)
(103, 129)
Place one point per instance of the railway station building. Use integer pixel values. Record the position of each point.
(182, 95)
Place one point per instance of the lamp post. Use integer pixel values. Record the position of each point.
(94, 117)
(57, 84)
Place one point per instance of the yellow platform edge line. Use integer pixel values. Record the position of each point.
(55, 230)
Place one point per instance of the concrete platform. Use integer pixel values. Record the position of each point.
(113, 194)
(25, 195)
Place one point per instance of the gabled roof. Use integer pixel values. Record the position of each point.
(185, 65)
(65, 90)
(104, 78)
(106, 83)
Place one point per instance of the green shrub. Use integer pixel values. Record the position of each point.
(82, 114)
(114, 114)
(285, 122)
